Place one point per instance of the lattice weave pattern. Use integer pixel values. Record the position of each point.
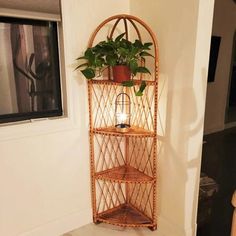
(103, 104)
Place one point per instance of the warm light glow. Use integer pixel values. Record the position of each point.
(122, 117)
(122, 112)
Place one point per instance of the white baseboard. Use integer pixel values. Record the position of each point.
(62, 225)
(230, 125)
(220, 128)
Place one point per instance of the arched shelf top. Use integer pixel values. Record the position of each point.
(126, 18)
(128, 21)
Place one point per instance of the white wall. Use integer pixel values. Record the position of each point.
(224, 25)
(183, 28)
(44, 165)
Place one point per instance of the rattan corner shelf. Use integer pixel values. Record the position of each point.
(123, 164)
(125, 215)
(133, 131)
(124, 174)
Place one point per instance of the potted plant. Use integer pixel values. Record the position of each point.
(122, 55)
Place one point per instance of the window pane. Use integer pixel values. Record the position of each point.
(29, 69)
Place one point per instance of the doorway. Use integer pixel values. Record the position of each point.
(218, 166)
(231, 106)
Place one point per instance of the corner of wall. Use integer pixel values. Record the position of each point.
(167, 228)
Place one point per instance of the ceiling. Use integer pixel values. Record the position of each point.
(46, 6)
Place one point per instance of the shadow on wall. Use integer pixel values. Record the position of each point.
(175, 143)
(180, 139)
(179, 153)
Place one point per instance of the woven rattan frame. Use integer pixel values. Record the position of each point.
(123, 165)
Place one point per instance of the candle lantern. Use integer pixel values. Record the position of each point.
(122, 112)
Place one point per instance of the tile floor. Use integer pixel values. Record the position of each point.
(110, 230)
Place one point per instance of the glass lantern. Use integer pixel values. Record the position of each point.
(122, 112)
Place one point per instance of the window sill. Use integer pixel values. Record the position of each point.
(19, 130)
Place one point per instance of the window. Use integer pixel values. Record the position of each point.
(29, 69)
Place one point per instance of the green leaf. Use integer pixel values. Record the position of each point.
(146, 46)
(123, 51)
(107, 49)
(119, 37)
(144, 54)
(133, 66)
(141, 89)
(82, 65)
(134, 51)
(138, 44)
(125, 44)
(142, 69)
(138, 94)
(98, 62)
(111, 60)
(79, 58)
(142, 86)
(88, 53)
(128, 83)
(89, 73)
(90, 56)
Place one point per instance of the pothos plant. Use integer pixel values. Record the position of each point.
(119, 51)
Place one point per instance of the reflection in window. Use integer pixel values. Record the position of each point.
(29, 70)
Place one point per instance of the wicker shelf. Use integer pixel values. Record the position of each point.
(133, 131)
(125, 215)
(111, 82)
(124, 174)
(123, 164)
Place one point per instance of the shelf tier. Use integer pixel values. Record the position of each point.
(125, 215)
(111, 82)
(132, 131)
(124, 174)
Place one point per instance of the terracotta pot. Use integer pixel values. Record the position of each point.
(121, 73)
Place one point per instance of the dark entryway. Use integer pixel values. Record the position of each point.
(231, 109)
(219, 165)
